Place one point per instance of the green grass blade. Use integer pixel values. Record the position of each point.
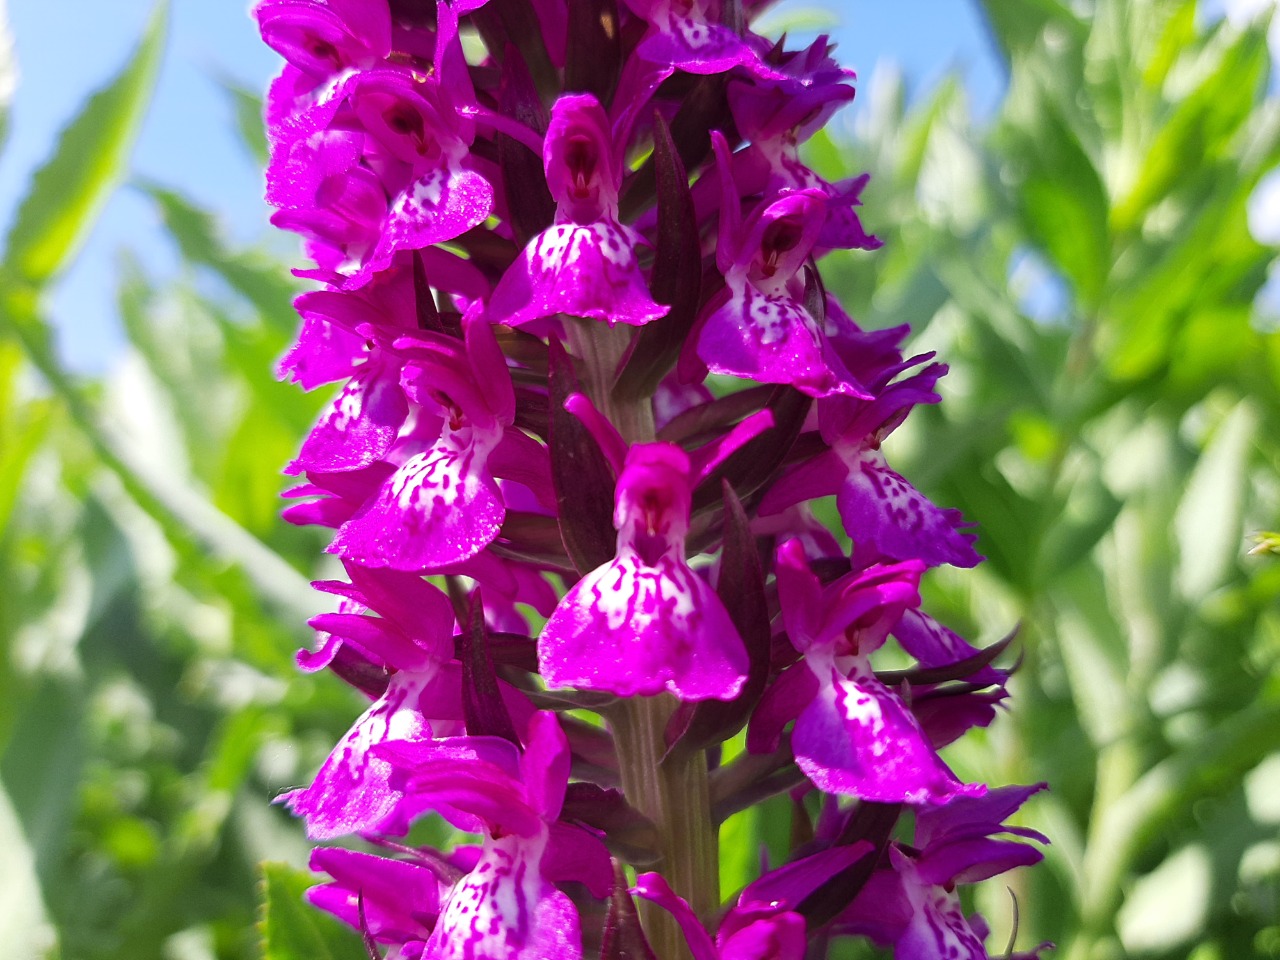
(69, 191)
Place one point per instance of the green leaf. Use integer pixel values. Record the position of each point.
(1017, 24)
(1060, 197)
(41, 767)
(1209, 521)
(1095, 654)
(247, 108)
(294, 930)
(68, 192)
(1200, 130)
(260, 280)
(24, 922)
(1088, 514)
(8, 73)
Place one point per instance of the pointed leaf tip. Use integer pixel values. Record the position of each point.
(90, 160)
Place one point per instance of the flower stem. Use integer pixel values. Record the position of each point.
(675, 793)
(676, 796)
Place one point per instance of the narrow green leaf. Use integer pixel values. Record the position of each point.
(1017, 24)
(8, 72)
(294, 930)
(246, 107)
(69, 191)
(259, 280)
(1088, 514)
(1200, 129)
(24, 922)
(1060, 195)
(1209, 522)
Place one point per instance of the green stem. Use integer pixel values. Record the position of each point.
(676, 796)
(673, 793)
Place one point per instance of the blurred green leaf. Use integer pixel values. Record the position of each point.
(91, 157)
(1200, 128)
(1209, 521)
(247, 108)
(1018, 24)
(8, 73)
(1087, 516)
(41, 767)
(256, 278)
(294, 930)
(1060, 195)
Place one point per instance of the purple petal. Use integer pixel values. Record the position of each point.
(324, 40)
(971, 816)
(947, 716)
(360, 424)
(935, 646)
(441, 204)
(780, 937)
(938, 927)
(654, 888)
(440, 507)
(771, 339)
(782, 702)
(974, 860)
(579, 159)
(787, 886)
(575, 853)
(545, 764)
(635, 629)
(505, 910)
(858, 739)
(878, 504)
(323, 352)
(352, 793)
(583, 270)
(401, 899)
(696, 46)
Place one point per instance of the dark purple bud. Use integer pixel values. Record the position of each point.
(677, 274)
(741, 588)
(594, 50)
(530, 206)
(482, 704)
(583, 480)
(623, 935)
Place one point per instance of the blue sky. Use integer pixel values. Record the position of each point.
(66, 48)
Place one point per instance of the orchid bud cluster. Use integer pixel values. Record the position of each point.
(566, 252)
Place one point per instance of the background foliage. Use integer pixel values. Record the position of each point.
(1083, 261)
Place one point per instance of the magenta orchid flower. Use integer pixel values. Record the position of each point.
(442, 505)
(645, 621)
(586, 263)
(760, 327)
(507, 905)
(913, 905)
(852, 735)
